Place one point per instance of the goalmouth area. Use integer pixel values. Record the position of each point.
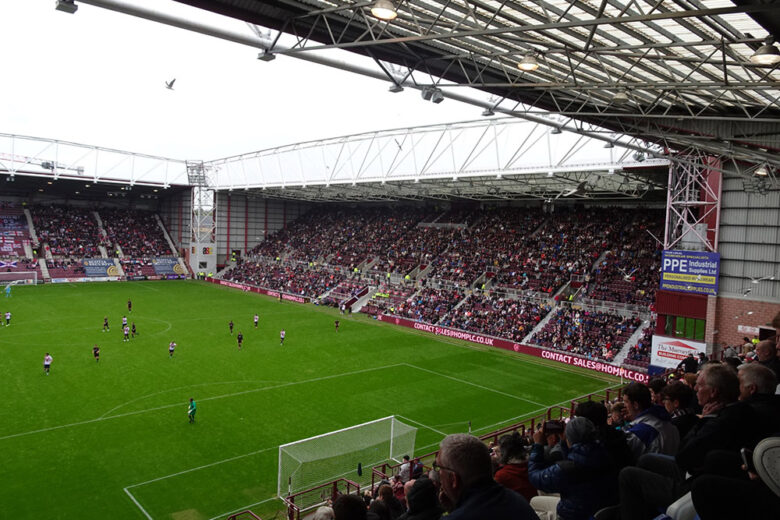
(112, 439)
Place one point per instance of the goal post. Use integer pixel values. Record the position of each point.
(308, 462)
(18, 278)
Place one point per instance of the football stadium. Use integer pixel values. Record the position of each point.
(566, 305)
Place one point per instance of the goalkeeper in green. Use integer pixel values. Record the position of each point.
(191, 410)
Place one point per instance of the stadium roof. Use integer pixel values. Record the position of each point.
(676, 72)
(667, 80)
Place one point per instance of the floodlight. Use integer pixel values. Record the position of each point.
(609, 144)
(396, 88)
(639, 157)
(264, 55)
(528, 63)
(488, 112)
(426, 93)
(767, 54)
(66, 6)
(556, 130)
(437, 96)
(762, 171)
(620, 97)
(384, 10)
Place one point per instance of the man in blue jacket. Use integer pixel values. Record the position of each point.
(651, 429)
(586, 479)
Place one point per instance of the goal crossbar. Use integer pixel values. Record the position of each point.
(18, 277)
(320, 458)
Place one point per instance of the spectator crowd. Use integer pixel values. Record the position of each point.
(674, 442)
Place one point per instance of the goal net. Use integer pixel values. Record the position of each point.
(18, 278)
(305, 463)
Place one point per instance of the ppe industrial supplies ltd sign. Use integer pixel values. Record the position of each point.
(690, 271)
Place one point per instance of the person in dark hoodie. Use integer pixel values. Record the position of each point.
(613, 440)
(586, 479)
(651, 429)
(422, 501)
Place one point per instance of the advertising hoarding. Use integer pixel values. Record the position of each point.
(668, 352)
(690, 271)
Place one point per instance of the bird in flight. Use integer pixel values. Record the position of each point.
(169, 84)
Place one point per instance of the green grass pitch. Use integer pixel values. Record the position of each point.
(112, 439)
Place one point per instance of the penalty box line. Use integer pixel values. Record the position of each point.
(146, 513)
(463, 381)
(139, 484)
(234, 394)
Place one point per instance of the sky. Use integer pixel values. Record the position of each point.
(97, 77)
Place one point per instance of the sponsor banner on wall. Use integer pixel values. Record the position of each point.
(568, 359)
(747, 329)
(100, 267)
(560, 357)
(167, 265)
(136, 278)
(690, 271)
(668, 352)
(86, 279)
(248, 288)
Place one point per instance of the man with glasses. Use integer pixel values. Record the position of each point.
(468, 490)
(656, 482)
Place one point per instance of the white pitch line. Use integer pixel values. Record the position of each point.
(524, 358)
(474, 384)
(182, 388)
(138, 504)
(494, 425)
(201, 467)
(242, 508)
(127, 414)
(423, 425)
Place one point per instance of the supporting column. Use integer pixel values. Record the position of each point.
(203, 248)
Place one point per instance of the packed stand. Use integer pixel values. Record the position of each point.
(68, 232)
(639, 354)
(462, 216)
(343, 292)
(430, 305)
(137, 266)
(377, 234)
(313, 237)
(591, 334)
(65, 268)
(486, 245)
(137, 233)
(418, 247)
(630, 272)
(495, 316)
(14, 231)
(568, 243)
(293, 279)
(386, 298)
